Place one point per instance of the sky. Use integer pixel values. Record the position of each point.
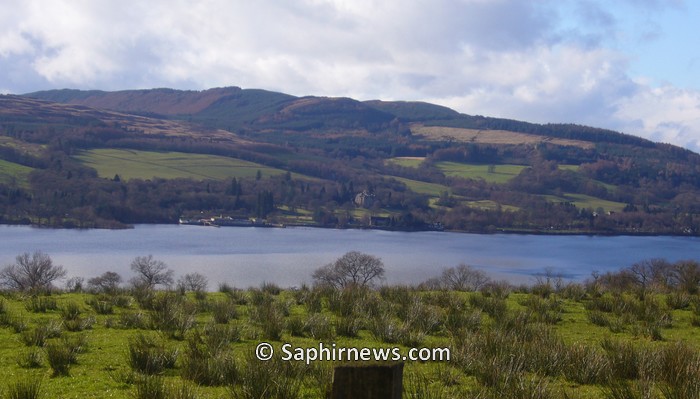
(626, 65)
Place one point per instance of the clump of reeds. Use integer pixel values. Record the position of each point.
(268, 315)
(40, 304)
(272, 379)
(149, 355)
(101, 306)
(39, 334)
(223, 311)
(209, 361)
(25, 388)
(31, 358)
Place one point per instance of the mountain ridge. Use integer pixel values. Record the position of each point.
(251, 107)
(117, 158)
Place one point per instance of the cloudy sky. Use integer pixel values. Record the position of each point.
(627, 65)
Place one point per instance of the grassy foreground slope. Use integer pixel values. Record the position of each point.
(548, 340)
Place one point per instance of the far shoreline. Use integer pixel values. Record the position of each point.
(533, 232)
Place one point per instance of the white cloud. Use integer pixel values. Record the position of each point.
(547, 61)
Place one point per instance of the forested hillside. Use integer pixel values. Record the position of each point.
(109, 159)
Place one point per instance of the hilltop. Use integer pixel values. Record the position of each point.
(97, 158)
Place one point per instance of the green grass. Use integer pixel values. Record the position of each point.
(573, 168)
(10, 171)
(131, 164)
(103, 371)
(587, 201)
(490, 205)
(409, 162)
(500, 173)
(421, 187)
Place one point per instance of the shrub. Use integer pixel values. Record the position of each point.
(225, 288)
(220, 336)
(295, 326)
(319, 327)
(419, 386)
(71, 311)
(182, 391)
(40, 304)
(149, 355)
(349, 300)
(545, 310)
(150, 387)
(679, 369)
(420, 317)
(25, 389)
(31, 359)
(17, 323)
(133, 320)
(223, 311)
(313, 299)
(79, 324)
(38, 335)
(493, 306)
(274, 379)
(348, 326)
(385, 328)
(585, 365)
(173, 315)
(269, 318)
(101, 306)
(623, 357)
(678, 300)
(60, 358)
(270, 288)
(208, 364)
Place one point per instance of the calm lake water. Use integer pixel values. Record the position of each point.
(246, 256)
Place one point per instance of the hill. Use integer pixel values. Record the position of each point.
(329, 162)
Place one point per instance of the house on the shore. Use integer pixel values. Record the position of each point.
(364, 199)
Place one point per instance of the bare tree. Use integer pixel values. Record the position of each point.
(651, 275)
(463, 278)
(194, 282)
(687, 276)
(31, 272)
(108, 282)
(353, 268)
(150, 272)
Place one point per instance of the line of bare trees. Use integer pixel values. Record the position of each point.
(37, 273)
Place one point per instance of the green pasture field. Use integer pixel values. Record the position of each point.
(409, 162)
(421, 187)
(491, 205)
(501, 173)
(10, 171)
(132, 164)
(586, 201)
(540, 325)
(573, 168)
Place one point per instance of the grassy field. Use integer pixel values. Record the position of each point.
(409, 162)
(554, 341)
(441, 133)
(421, 187)
(500, 173)
(130, 164)
(10, 171)
(586, 201)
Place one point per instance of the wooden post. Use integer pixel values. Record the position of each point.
(368, 382)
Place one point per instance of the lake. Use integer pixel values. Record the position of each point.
(248, 256)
